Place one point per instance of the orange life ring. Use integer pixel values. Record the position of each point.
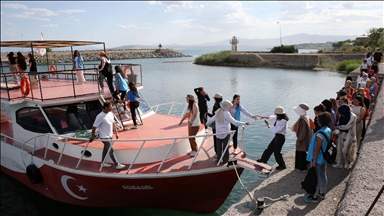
(127, 68)
(53, 69)
(25, 85)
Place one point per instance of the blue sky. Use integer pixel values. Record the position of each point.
(120, 23)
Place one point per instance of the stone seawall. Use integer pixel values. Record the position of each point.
(288, 60)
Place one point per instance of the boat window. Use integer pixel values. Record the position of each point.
(72, 117)
(32, 119)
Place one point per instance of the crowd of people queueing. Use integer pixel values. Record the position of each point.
(343, 119)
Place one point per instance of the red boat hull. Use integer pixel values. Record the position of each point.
(203, 193)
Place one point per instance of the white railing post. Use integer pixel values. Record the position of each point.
(82, 155)
(134, 160)
(166, 155)
(62, 151)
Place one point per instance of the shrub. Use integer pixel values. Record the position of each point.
(352, 63)
(286, 49)
(217, 57)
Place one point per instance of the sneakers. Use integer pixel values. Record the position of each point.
(346, 166)
(120, 166)
(193, 153)
(338, 166)
(107, 165)
(321, 195)
(260, 161)
(134, 127)
(235, 152)
(310, 198)
(190, 152)
(281, 167)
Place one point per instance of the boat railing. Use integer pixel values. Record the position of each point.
(42, 90)
(33, 141)
(170, 107)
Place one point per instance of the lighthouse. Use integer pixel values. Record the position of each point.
(234, 43)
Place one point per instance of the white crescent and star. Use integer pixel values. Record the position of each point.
(64, 180)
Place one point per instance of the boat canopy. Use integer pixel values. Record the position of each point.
(47, 43)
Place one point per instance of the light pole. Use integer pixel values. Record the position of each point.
(91, 40)
(281, 44)
(21, 39)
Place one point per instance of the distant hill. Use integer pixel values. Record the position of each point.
(251, 44)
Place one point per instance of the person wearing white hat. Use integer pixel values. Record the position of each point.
(304, 133)
(218, 98)
(193, 122)
(223, 119)
(279, 128)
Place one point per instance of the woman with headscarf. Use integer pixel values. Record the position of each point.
(347, 137)
(78, 63)
(303, 131)
(105, 68)
(223, 119)
(193, 122)
(218, 98)
(327, 104)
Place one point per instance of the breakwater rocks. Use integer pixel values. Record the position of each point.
(93, 55)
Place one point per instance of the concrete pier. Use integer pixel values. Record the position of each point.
(349, 192)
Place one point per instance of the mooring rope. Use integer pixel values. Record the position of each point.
(284, 197)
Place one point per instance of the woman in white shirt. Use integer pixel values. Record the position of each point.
(279, 128)
(223, 119)
(193, 116)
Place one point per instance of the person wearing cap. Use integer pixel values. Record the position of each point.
(193, 122)
(340, 94)
(279, 128)
(235, 111)
(378, 55)
(105, 68)
(359, 109)
(303, 131)
(218, 98)
(202, 98)
(223, 119)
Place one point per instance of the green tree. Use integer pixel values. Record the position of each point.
(48, 49)
(374, 35)
(286, 49)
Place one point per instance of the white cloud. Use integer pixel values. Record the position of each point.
(71, 11)
(43, 12)
(14, 6)
(132, 27)
(147, 23)
(49, 25)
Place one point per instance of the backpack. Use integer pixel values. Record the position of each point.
(330, 151)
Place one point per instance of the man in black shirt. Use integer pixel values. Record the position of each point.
(202, 97)
(377, 55)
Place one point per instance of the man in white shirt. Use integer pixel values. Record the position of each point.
(106, 124)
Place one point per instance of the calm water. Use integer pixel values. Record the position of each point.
(166, 80)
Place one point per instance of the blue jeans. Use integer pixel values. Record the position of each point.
(321, 178)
